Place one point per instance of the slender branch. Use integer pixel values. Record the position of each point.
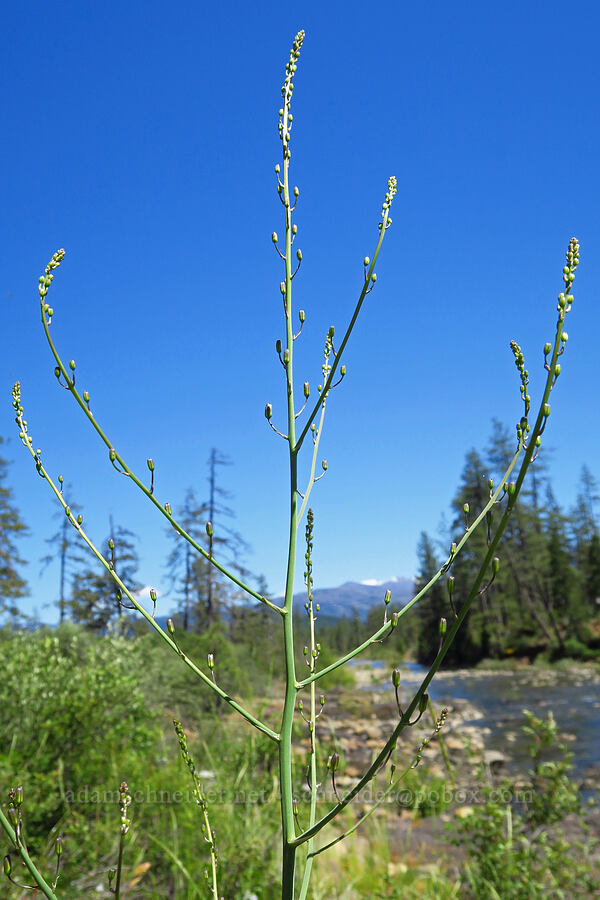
(27, 442)
(387, 626)
(312, 479)
(29, 863)
(116, 458)
(369, 280)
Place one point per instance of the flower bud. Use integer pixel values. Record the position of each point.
(490, 484)
(333, 761)
(423, 701)
(268, 411)
(466, 509)
(495, 566)
(294, 229)
(331, 331)
(324, 464)
(286, 356)
(209, 529)
(547, 349)
(282, 287)
(374, 277)
(278, 167)
(305, 650)
(58, 845)
(170, 626)
(72, 365)
(274, 237)
(387, 598)
(112, 454)
(299, 255)
(278, 345)
(150, 463)
(168, 508)
(152, 594)
(57, 371)
(443, 625)
(86, 396)
(450, 585)
(367, 261)
(111, 544)
(7, 866)
(564, 337)
(79, 519)
(211, 661)
(296, 191)
(512, 487)
(396, 677)
(342, 371)
(546, 409)
(301, 315)
(306, 389)
(557, 369)
(394, 619)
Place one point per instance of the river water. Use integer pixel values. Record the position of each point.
(499, 698)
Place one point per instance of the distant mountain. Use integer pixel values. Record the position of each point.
(359, 597)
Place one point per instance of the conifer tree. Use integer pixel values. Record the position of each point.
(96, 601)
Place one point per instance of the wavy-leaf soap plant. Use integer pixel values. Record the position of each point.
(300, 828)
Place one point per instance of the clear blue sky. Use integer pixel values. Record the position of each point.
(142, 138)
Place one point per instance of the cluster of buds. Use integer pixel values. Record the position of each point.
(46, 279)
(286, 92)
(125, 800)
(439, 724)
(387, 203)
(524, 375)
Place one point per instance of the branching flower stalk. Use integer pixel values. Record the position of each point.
(504, 496)
(200, 798)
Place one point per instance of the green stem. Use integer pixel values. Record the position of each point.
(30, 865)
(119, 867)
(287, 721)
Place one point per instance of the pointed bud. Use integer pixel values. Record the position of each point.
(170, 626)
(396, 677)
(7, 866)
(333, 761)
(495, 566)
(443, 625)
(274, 237)
(490, 484)
(451, 585)
(211, 661)
(79, 519)
(58, 845)
(168, 508)
(387, 597)
(423, 701)
(111, 544)
(324, 464)
(112, 454)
